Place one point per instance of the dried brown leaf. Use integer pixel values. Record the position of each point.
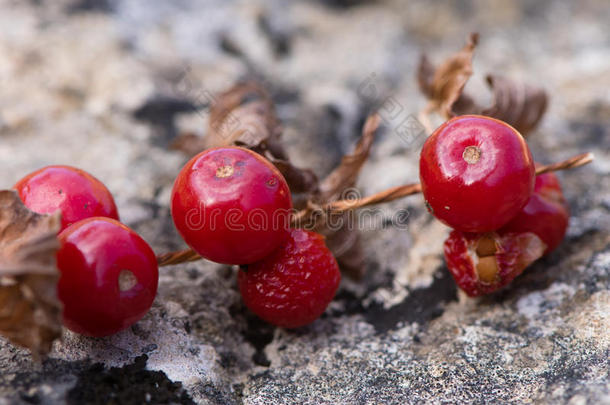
(346, 174)
(347, 248)
(188, 143)
(444, 85)
(299, 180)
(518, 104)
(244, 115)
(425, 76)
(344, 241)
(30, 312)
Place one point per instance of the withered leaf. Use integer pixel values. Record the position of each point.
(345, 175)
(344, 241)
(520, 105)
(188, 143)
(444, 85)
(299, 180)
(244, 115)
(30, 312)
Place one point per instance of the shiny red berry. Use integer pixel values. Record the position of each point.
(546, 213)
(484, 263)
(108, 277)
(74, 192)
(231, 205)
(293, 286)
(476, 173)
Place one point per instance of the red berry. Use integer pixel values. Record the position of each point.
(76, 193)
(293, 286)
(476, 173)
(108, 277)
(231, 205)
(484, 263)
(546, 213)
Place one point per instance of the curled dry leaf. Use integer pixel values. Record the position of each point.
(342, 238)
(188, 143)
(30, 312)
(518, 104)
(444, 84)
(299, 180)
(245, 116)
(345, 175)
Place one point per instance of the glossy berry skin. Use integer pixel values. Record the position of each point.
(476, 173)
(231, 205)
(483, 263)
(109, 276)
(293, 286)
(546, 213)
(74, 192)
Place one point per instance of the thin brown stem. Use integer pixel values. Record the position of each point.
(571, 163)
(177, 257)
(391, 194)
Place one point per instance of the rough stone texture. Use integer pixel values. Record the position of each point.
(106, 85)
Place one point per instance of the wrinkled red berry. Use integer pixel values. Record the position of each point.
(546, 213)
(231, 205)
(74, 192)
(108, 277)
(476, 173)
(293, 286)
(484, 263)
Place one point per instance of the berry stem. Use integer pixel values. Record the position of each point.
(394, 193)
(177, 257)
(571, 163)
(390, 194)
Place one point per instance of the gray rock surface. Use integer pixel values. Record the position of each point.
(106, 85)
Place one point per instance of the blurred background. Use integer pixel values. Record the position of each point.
(108, 85)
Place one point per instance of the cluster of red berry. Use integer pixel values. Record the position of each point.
(109, 274)
(478, 176)
(232, 206)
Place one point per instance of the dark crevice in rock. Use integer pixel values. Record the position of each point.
(339, 4)
(88, 6)
(280, 39)
(160, 112)
(592, 134)
(284, 95)
(257, 332)
(131, 384)
(228, 45)
(421, 305)
(352, 304)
